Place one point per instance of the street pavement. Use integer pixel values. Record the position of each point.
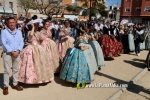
(121, 71)
(138, 91)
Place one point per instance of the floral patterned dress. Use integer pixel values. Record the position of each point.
(65, 43)
(97, 51)
(51, 48)
(35, 66)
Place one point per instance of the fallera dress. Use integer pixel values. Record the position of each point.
(79, 66)
(35, 66)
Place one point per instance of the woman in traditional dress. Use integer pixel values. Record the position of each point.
(116, 38)
(35, 66)
(50, 46)
(65, 42)
(67, 28)
(80, 64)
(106, 41)
(131, 37)
(92, 39)
(125, 42)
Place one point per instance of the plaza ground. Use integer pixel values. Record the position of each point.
(121, 71)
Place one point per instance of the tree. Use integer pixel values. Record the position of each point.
(26, 4)
(89, 11)
(101, 9)
(48, 7)
(97, 8)
(93, 10)
(74, 9)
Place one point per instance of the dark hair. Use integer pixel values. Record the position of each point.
(10, 18)
(34, 17)
(139, 24)
(66, 21)
(49, 18)
(45, 21)
(7, 20)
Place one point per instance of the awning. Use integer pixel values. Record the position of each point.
(8, 10)
(1, 10)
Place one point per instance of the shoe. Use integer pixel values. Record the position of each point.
(5, 91)
(17, 87)
(138, 54)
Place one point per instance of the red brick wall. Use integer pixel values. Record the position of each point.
(145, 3)
(133, 4)
(133, 14)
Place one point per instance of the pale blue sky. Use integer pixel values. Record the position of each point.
(110, 2)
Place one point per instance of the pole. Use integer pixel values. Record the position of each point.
(90, 11)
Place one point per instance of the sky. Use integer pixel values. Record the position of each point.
(110, 2)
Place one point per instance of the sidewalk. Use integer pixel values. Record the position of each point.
(138, 91)
(121, 70)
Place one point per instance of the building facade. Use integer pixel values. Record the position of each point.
(114, 12)
(8, 7)
(136, 10)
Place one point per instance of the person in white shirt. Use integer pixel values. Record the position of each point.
(138, 32)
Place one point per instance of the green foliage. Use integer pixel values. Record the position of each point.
(87, 12)
(98, 8)
(101, 9)
(75, 9)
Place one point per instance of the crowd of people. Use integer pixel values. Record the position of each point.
(73, 49)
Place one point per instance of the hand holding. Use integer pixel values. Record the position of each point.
(15, 54)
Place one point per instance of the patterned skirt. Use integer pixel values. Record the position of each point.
(53, 53)
(75, 68)
(118, 46)
(64, 45)
(107, 46)
(34, 67)
(98, 53)
(131, 42)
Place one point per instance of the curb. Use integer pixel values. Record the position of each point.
(131, 82)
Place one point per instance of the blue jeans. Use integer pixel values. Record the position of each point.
(137, 46)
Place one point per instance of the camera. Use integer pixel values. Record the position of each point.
(29, 27)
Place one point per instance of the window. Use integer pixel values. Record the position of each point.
(10, 4)
(127, 9)
(147, 9)
(128, 0)
(138, 9)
